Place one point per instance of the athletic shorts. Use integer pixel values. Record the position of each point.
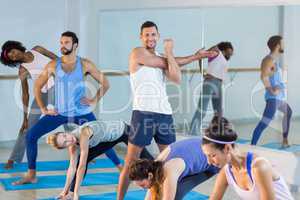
(148, 125)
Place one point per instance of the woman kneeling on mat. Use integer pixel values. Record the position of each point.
(85, 144)
(252, 177)
(175, 172)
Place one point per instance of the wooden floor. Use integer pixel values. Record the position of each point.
(47, 153)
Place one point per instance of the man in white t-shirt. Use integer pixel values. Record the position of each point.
(152, 112)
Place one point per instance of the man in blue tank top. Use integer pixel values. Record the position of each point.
(71, 103)
(271, 76)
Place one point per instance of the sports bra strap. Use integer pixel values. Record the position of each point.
(248, 164)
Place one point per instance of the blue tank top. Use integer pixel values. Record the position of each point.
(276, 81)
(249, 159)
(69, 90)
(191, 152)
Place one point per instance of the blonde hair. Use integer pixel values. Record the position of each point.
(52, 140)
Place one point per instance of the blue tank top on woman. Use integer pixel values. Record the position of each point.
(191, 152)
(69, 90)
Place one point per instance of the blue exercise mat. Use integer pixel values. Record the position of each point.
(60, 165)
(58, 181)
(275, 145)
(242, 141)
(136, 195)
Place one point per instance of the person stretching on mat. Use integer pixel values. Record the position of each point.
(30, 64)
(176, 171)
(251, 176)
(86, 143)
(71, 102)
(271, 76)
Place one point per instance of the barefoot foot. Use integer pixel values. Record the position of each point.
(9, 164)
(25, 180)
(285, 143)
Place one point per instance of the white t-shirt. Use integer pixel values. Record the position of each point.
(148, 86)
(36, 67)
(103, 131)
(217, 66)
(279, 186)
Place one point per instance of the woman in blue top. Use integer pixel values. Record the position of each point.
(177, 170)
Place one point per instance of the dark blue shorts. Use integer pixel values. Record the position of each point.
(148, 125)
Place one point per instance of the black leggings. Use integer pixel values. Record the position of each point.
(189, 182)
(101, 148)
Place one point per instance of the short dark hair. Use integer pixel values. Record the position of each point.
(274, 41)
(220, 129)
(6, 48)
(222, 46)
(72, 35)
(148, 24)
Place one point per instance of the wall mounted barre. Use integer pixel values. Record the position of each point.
(126, 73)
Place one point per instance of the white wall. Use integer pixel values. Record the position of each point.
(36, 22)
(32, 22)
(94, 6)
(292, 59)
(119, 31)
(248, 28)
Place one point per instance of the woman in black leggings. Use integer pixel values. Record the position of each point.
(85, 144)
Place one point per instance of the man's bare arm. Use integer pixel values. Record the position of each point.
(142, 56)
(266, 71)
(47, 72)
(200, 54)
(173, 73)
(90, 68)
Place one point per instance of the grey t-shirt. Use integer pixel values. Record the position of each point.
(102, 131)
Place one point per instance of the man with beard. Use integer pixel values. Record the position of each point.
(152, 112)
(212, 85)
(71, 103)
(271, 76)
